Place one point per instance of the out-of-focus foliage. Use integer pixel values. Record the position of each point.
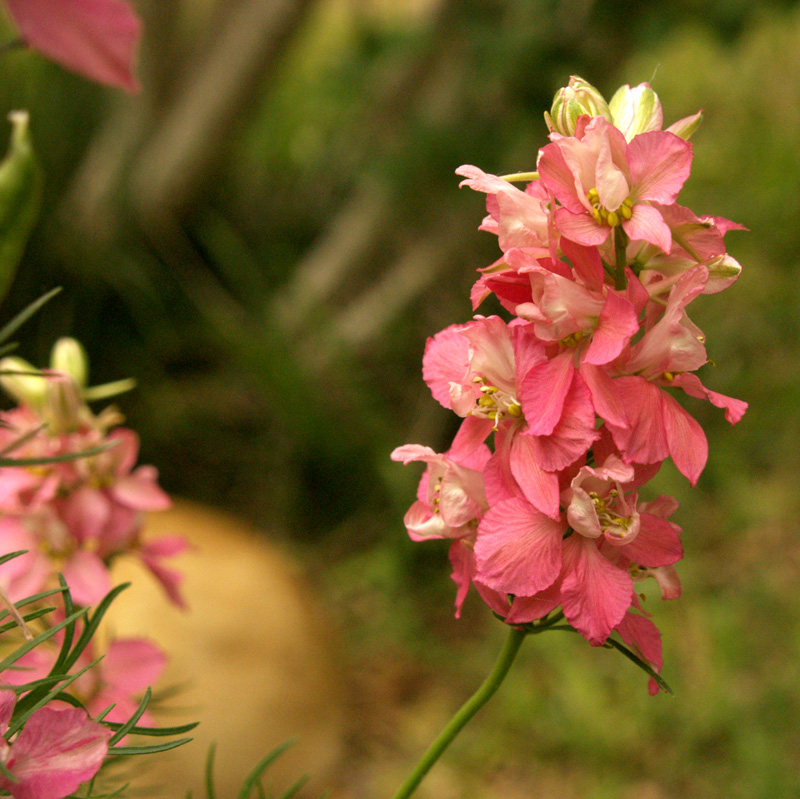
(266, 236)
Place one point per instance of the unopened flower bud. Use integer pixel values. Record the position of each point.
(23, 382)
(68, 356)
(575, 100)
(636, 110)
(65, 411)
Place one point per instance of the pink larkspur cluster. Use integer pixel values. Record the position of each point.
(73, 516)
(569, 405)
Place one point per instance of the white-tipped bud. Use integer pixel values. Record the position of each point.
(636, 110)
(687, 126)
(23, 382)
(69, 356)
(576, 99)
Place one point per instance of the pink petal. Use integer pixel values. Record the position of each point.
(132, 664)
(640, 633)
(96, 38)
(657, 544)
(734, 408)
(543, 391)
(140, 490)
(605, 398)
(518, 549)
(595, 593)
(616, 324)
(530, 608)
(58, 749)
(446, 360)
(580, 227)
(539, 486)
(86, 512)
(645, 440)
(688, 445)
(647, 224)
(659, 162)
(87, 577)
(572, 436)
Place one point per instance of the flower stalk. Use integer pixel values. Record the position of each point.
(467, 711)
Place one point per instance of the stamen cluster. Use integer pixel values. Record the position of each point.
(568, 406)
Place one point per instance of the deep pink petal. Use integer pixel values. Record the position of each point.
(605, 398)
(688, 445)
(518, 549)
(539, 486)
(558, 178)
(571, 438)
(615, 326)
(530, 608)
(543, 391)
(595, 594)
(657, 544)
(734, 408)
(96, 38)
(645, 440)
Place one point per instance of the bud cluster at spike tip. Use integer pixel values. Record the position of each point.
(569, 405)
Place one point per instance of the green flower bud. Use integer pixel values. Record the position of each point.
(23, 382)
(69, 356)
(574, 100)
(636, 110)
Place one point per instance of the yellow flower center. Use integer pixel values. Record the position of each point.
(603, 216)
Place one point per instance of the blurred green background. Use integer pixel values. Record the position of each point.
(267, 234)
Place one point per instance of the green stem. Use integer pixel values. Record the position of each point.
(467, 711)
(620, 245)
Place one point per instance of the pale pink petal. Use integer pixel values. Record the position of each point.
(132, 664)
(645, 440)
(153, 552)
(558, 178)
(518, 549)
(140, 490)
(86, 512)
(595, 594)
(446, 360)
(647, 224)
(580, 227)
(96, 38)
(87, 577)
(463, 562)
(659, 162)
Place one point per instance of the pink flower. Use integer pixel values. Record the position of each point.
(604, 182)
(96, 38)
(59, 748)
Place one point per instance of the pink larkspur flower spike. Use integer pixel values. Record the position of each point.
(95, 38)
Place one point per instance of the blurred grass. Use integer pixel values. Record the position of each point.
(274, 382)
